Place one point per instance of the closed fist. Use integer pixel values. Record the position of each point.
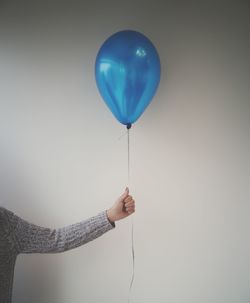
(122, 208)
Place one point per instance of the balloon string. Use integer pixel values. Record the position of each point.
(128, 156)
(122, 135)
(132, 226)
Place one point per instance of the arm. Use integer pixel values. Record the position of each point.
(30, 238)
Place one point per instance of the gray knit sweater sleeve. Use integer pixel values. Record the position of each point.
(30, 238)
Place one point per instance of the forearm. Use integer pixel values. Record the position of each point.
(75, 235)
(30, 238)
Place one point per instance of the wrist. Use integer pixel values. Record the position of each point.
(110, 216)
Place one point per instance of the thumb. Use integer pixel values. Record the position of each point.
(125, 194)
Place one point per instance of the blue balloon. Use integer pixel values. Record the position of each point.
(127, 72)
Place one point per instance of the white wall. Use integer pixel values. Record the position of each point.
(61, 160)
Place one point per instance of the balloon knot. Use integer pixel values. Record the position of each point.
(129, 125)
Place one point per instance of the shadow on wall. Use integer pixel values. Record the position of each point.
(33, 280)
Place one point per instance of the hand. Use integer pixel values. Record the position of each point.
(123, 207)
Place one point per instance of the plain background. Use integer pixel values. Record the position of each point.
(61, 158)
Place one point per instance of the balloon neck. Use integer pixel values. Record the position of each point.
(129, 125)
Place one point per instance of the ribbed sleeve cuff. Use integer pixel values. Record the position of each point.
(103, 219)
